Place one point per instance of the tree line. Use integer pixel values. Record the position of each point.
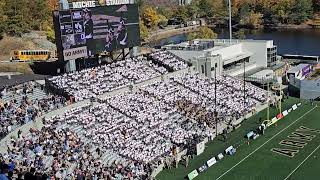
(20, 16)
(246, 13)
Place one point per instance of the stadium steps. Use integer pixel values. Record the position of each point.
(37, 94)
(105, 158)
(63, 126)
(78, 130)
(112, 160)
(74, 128)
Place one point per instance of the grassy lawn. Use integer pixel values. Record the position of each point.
(257, 159)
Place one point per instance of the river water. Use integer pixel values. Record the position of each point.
(289, 41)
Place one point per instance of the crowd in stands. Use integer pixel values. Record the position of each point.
(231, 99)
(19, 108)
(127, 135)
(169, 60)
(194, 94)
(139, 128)
(50, 153)
(98, 80)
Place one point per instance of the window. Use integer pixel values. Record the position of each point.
(202, 69)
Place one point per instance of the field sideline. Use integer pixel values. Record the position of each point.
(258, 160)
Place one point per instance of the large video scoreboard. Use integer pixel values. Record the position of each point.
(89, 31)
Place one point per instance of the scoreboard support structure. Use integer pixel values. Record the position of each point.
(70, 65)
(133, 51)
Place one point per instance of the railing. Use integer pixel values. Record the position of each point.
(261, 80)
(203, 45)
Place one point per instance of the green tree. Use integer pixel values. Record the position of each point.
(243, 13)
(182, 13)
(15, 17)
(163, 21)
(282, 10)
(219, 8)
(203, 33)
(40, 14)
(2, 19)
(166, 11)
(141, 4)
(301, 11)
(50, 34)
(192, 9)
(253, 20)
(144, 33)
(205, 8)
(316, 5)
(239, 34)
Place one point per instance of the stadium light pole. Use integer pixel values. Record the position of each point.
(230, 23)
(268, 111)
(215, 97)
(244, 87)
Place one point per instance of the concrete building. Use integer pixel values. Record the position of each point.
(304, 82)
(232, 58)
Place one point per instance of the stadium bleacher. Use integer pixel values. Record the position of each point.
(128, 135)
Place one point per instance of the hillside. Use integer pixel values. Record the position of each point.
(33, 40)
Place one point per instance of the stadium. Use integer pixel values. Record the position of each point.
(186, 111)
(146, 115)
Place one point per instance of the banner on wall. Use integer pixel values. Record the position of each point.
(193, 174)
(200, 148)
(285, 113)
(211, 161)
(294, 107)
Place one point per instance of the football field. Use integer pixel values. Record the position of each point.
(290, 150)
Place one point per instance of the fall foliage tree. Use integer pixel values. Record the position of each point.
(203, 33)
(20, 16)
(150, 17)
(144, 33)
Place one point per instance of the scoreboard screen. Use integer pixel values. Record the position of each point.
(89, 31)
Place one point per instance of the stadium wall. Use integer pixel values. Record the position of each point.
(310, 89)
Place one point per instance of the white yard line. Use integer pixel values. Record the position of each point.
(265, 143)
(302, 163)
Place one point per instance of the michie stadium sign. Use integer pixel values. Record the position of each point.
(76, 4)
(118, 2)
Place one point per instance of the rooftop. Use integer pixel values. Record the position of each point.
(297, 68)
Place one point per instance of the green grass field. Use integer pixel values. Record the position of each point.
(256, 161)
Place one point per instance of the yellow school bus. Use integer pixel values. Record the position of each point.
(31, 55)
